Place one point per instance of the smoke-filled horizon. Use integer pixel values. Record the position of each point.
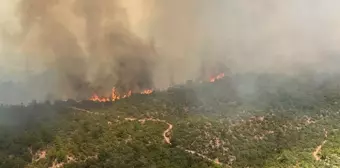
(61, 49)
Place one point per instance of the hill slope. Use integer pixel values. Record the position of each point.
(279, 122)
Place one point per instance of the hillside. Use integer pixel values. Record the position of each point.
(239, 121)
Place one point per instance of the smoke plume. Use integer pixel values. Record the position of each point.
(86, 45)
(59, 49)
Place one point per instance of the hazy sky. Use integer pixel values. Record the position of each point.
(245, 35)
(263, 32)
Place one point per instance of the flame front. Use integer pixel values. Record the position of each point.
(219, 76)
(96, 98)
(115, 95)
(148, 91)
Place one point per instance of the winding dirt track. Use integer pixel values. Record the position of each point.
(166, 133)
(202, 156)
(318, 148)
(83, 110)
(167, 137)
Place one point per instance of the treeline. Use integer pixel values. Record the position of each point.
(243, 120)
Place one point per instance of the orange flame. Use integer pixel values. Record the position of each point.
(115, 96)
(146, 92)
(96, 98)
(218, 77)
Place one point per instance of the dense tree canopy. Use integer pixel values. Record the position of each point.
(241, 121)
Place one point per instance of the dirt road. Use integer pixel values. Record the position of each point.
(166, 133)
(318, 148)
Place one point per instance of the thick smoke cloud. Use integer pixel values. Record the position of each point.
(85, 45)
(71, 48)
(247, 35)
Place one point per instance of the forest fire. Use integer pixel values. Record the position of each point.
(148, 91)
(96, 98)
(219, 76)
(116, 96)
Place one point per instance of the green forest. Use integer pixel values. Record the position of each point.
(248, 120)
